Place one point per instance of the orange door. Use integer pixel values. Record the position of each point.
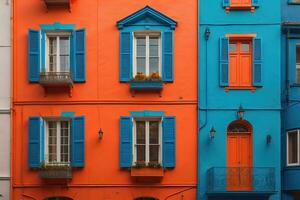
(240, 64)
(240, 3)
(239, 162)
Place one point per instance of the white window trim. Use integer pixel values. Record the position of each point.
(287, 148)
(147, 152)
(58, 35)
(147, 34)
(58, 129)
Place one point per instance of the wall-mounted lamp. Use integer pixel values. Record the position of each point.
(100, 133)
(240, 113)
(212, 133)
(269, 139)
(207, 34)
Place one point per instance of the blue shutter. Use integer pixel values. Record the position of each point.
(226, 3)
(78, 67)
(77, 135)
(169, 142)
(257, 62)
(125, 56)
(224, 65)
(34, 141)
(34, 55)
(125, 142)
(167, 60)
(255, 3)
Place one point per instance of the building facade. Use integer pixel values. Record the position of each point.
(239, 100)
(5, 98)
(100, 99)
(290, 76)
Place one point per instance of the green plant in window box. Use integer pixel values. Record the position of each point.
(149, 165)
(55, 166)
(154, 165)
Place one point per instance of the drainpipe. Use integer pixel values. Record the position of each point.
(287, 81)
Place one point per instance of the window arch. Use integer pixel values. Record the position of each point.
(239, 126)
(58, 198)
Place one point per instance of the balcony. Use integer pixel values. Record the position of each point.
(238, 181)
(58, 3)
(56, 79)
(55, 172)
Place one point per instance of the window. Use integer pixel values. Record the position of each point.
(298, 63)
(147, 53)
(240, 63)
(57, 48)
(57, 142)
(147, 141)
(240, 3)
(58, 52)
(147, 47)
(293, 138)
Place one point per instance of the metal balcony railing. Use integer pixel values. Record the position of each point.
(241, 179)
(56, 79)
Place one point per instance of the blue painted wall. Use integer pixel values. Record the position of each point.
(218, 108)
(290, 13)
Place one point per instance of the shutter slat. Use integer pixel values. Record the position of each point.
(168, 58)
(125, 142)
(257, 62)
(224, 62)
(34, 142)
(78, 137)
(79, 71)
(34, 55)
(125, 56)
(169, 142)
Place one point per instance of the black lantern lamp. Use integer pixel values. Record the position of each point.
(100, 133)
(212, 133)
(207, 34)
(241, 112)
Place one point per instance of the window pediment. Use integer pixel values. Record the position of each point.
(147, 16)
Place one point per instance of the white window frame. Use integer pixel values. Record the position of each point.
(287, 147)
(57, 35)
(58, 140)
(147, 137)
(147, 34)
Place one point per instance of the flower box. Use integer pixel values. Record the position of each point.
(55, 172)
(148, 84)
(147, 172)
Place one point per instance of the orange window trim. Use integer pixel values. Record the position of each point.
(241, 36)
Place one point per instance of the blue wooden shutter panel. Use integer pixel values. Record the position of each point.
(168, 60)
(34, 55)
(255, 3)
(125, 56)
(257, 62)
(77, 135)
(79, 70)
(226, 3)
(224, 64)
(169, 142)
(125, 142)
(34, 142)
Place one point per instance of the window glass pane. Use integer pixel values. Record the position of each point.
(154, 132)
(52, 53)
(64, 139)
(154, 150)
(298, 63)
(140, 132)
(140, 153)
(245, 47)
(52, 142)
(64, 45)
(153, 64)
(153, 45)
(141, 65)
(232, 47)
(238, 128)
(293, 147)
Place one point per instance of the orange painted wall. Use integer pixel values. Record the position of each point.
(103, 99)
